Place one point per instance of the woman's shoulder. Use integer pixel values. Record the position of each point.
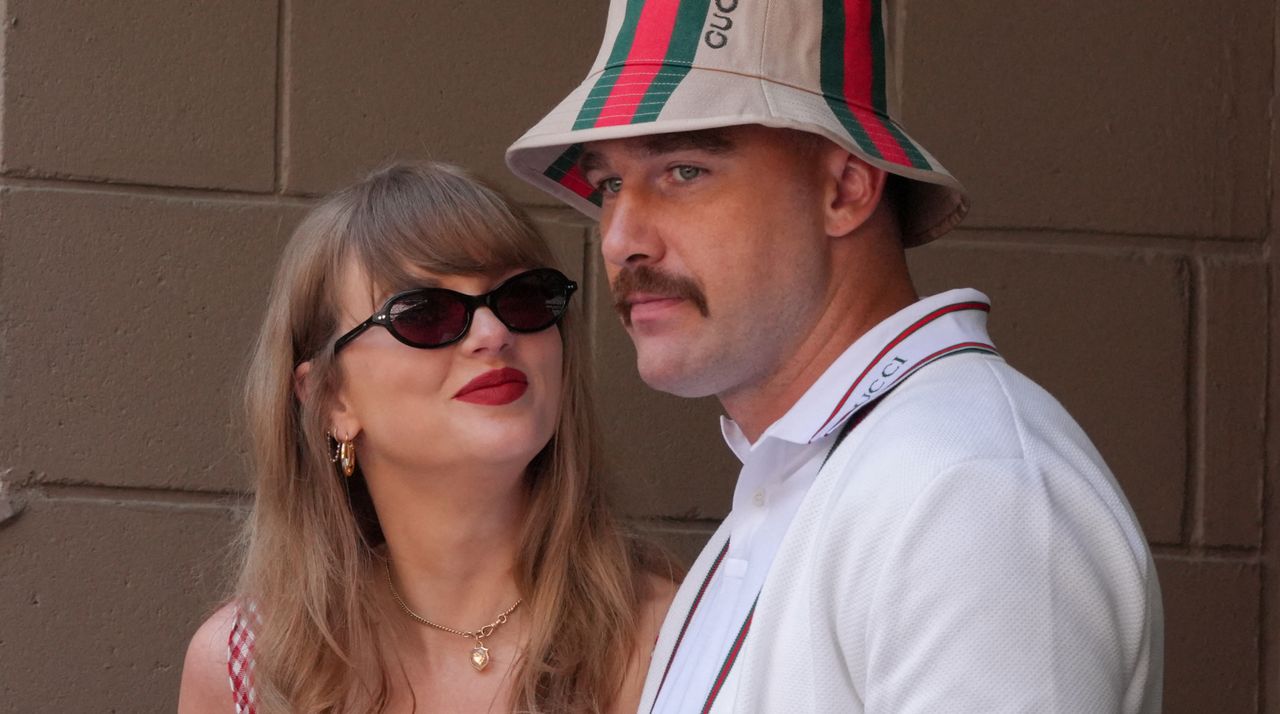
(205, 683)
(658, 577)
(655, 599)
(659, 592)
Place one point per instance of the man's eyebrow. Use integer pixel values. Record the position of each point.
(712, 141)
(589, 161)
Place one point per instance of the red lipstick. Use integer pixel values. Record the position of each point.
(495, 387)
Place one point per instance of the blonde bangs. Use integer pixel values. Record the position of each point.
(438, 220)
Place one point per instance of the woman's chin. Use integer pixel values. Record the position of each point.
(511, 452)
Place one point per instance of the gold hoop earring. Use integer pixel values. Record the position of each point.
(344, 455)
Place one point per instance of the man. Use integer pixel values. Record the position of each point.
(917, 527)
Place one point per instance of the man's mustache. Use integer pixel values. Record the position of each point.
(652, 281)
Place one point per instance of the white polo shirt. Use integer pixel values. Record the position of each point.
(779, 467)
(965, 549)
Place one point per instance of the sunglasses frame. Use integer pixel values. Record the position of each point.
(382, 317)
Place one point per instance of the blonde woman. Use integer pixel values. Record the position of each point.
(429, 532)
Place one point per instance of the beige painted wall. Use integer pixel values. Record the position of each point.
(154, 155)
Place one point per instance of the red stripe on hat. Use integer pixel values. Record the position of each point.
(859, 77)
(566, 172)
(874, 125)
(576, 181)
(857, 51)
(653, 36)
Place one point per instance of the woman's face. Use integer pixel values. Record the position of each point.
(490, 400)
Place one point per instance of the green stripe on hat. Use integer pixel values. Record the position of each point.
(599, 93)
(879, 100)
(832, 74)
(566, 172)
(918, 159)
(680, 53)
(879, 93)
(888, 142)
(634, 88)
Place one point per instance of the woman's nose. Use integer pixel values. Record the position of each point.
(487, 332)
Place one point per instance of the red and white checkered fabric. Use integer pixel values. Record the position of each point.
(240, 659)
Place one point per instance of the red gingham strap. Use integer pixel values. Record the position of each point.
(240, 659)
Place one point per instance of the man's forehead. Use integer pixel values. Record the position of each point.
(715, 141)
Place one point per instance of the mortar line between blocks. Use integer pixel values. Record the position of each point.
(141, 495)
(280, 146)
(152, 191)
(1213, 554)
(1099, 243)
(1194, 404)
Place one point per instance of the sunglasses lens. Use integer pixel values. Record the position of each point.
(533, 301)
(429, 319)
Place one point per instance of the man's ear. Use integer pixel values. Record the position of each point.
(854, 191)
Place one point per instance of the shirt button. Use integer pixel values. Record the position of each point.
(758, 498)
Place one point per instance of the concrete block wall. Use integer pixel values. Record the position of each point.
(155, 155)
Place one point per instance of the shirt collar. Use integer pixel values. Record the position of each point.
(827, 403)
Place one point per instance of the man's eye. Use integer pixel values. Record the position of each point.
(686, 173)
(610, 185)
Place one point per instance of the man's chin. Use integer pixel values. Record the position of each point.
(675, 377)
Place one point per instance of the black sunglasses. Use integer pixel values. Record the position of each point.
(434, 317)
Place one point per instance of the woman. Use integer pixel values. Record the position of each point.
(429, 532)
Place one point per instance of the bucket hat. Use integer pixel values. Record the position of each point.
(683, 65)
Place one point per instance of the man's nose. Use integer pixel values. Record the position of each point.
(629, 232)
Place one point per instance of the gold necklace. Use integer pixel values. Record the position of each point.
(479, 653)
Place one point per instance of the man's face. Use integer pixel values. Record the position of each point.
(715, 249)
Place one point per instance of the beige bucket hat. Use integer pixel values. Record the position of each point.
(682, 65)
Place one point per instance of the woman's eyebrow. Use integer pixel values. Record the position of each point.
(381, 294)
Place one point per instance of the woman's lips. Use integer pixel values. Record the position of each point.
(495, 387)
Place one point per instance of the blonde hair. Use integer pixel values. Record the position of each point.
(310, 544)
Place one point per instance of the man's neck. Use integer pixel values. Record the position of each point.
(849, 315)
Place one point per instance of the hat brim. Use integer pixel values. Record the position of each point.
(546, 155)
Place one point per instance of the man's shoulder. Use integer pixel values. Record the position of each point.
(960, 438)
(964, 409)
